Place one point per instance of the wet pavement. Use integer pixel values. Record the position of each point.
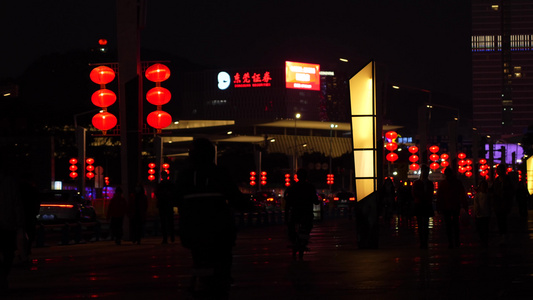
(264, 269)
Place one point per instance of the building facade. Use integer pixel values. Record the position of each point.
(502, 65)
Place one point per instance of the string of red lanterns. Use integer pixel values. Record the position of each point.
(158, 96)
(434, 157)
(391, 146)
(103, 98)
(414, 166)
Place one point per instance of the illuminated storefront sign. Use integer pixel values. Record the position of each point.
(302, 76)
(244, 80)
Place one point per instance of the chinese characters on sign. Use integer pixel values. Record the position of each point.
(254, 80)
(244, 80)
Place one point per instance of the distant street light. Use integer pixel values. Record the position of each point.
(295, 158)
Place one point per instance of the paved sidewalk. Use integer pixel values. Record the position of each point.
(263, 267)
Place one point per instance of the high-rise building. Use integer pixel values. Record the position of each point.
(502, 66)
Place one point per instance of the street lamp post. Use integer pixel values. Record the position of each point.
(331, 126)
(295, 158)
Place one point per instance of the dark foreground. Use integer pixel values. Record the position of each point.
(264, 269)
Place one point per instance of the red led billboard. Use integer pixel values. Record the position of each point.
(302, 76)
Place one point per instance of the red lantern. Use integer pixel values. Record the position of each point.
(509, 169)
(158, 96)
(90, 175)
(414, 167)
(90, 168)
(468, 174)
(151, 177)
(391, 146)
(434, 149)
(151, 165)
(392, 157)
(89, 161)
(434, 166)
(413, 158)
(73, 168)
(151, 171)
(159, 119)
(391, 135)
(434, 157)
(461, 155)
(444, 163)
(102, 75)
(468, 161)
(461, 169)
(413, 149)
(73, 175)
(444, 156)
(165, 166)
(102, 42)
(104, 98)
(482, 161)
(73, 161)
(157, 73)
(484, 173)
(104, 121)
(462, 162)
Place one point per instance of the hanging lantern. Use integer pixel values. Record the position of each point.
(89, 161)
(461, 155)
(73, 175)
(102, 75)
(468, 161)
(468, 168)
(159, 119)
(482, 161)
(413, 158)
(73, 161)
(434, 166)
(444, 156)
(392, 157)
(444, 163)
(391, 146)
(158, 96)
(391, 135)
(90, 175)
(151, 171)
(73, 168)
(151, 165)
(165, 166)
(462, 162)
(461, 169)
(483, 167)
(509, 169)
(104, 98)
(151, 177)
(414, 167)
(90, 168)
(434, 157)
(468, 174)
(484, 173)
(104, 121)
(157, 73)
(434, 149)
(413, 149)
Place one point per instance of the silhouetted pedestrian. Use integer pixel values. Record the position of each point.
(502, 193)
(138, 207)
(451, 197)
(116, 211)
(521, 195)
(387, 196)
(11, 222)
(405, 202)
(423, 204)
(300, 198)
(31, 202)
(206, 197)
(166, 194)
(482, 212)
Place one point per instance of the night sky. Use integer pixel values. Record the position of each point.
(425, 44)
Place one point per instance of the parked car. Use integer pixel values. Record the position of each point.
(65, 206)
(268, 200)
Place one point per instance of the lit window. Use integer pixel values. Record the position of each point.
(495, 7)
